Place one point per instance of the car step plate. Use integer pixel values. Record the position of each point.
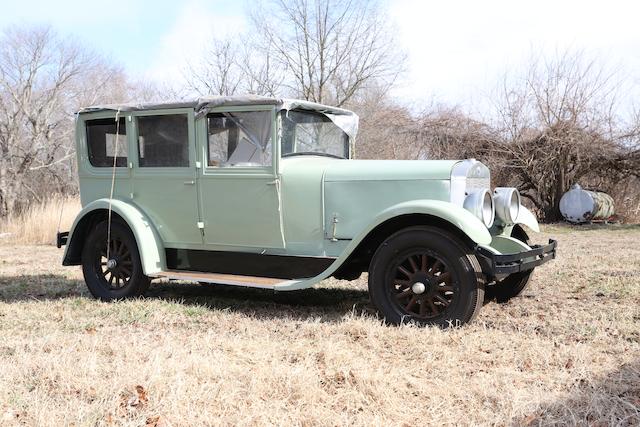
(222, 279)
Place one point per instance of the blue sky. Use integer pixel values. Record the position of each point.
(457, 49)
(133, 33)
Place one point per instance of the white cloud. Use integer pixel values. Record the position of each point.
(458, 49)
(196, 24)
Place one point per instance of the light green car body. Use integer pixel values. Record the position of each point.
(307, 206)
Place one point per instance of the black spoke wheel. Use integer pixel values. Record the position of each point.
(115, 263)
(426, 275)
(422, 284)
(111, 264)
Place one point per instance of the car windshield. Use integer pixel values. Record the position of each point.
(306, 132)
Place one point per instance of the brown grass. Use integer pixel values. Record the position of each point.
(38, 224)
(567, 352)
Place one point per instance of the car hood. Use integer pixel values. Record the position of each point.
(368, 170)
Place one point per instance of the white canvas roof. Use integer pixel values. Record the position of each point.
(345, 119)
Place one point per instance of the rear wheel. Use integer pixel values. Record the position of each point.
(113, 272)
(514, 284)
(425, 275)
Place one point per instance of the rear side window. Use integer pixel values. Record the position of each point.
(103, 145)
(163, 141)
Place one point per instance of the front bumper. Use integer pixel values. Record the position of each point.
(495, 265)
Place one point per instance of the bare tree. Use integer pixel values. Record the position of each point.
(385, 130)
(555, 125)
(217, 71)
(261, 73)
(230, 66)
(558, 125)
(43, 80)
(329, 50)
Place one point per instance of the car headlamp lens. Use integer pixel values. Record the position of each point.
(488, 211)
(480, 203)
(507, 201)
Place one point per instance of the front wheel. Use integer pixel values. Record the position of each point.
(113, 270)
(425, 275)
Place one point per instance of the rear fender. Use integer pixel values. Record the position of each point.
(149, 244)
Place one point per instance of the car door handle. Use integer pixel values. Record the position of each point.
(189, 183)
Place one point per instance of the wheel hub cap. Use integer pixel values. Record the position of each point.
(418, 288)
(111, 264)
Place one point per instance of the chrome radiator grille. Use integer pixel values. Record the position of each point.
(467, 177)
(474, 184)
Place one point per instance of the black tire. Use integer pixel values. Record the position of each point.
(442, 283)
(514, 284)
(125, 279)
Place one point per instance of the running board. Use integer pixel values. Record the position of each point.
(224, 279)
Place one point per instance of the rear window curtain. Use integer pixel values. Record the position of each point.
(163, 141)
(101, 142)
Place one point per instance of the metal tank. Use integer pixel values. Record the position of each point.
(579, 206)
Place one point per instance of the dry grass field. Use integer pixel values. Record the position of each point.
(566, 353)
(39, 223)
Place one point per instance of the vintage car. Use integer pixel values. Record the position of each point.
(262, 192)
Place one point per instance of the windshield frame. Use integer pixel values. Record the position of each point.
(284, 114)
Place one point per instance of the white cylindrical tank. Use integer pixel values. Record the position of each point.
(578, 205)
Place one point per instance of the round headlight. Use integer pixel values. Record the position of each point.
(507, 201)
(480, 203)
(488, 210)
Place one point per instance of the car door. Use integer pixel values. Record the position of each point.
(238, 186)
(164, 174)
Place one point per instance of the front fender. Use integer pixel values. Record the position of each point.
(458, 217)
(149, 242)
(526, 217)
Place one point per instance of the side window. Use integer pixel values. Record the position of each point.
(163, 140)
(107, 139)
(239, 139)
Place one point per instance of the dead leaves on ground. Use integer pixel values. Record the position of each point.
(131, 402)
(136, 399)
(155, 421)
